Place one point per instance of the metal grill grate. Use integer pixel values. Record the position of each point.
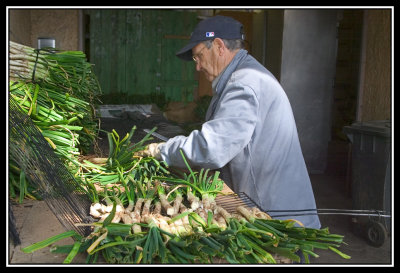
(231, 201)
(44, 169)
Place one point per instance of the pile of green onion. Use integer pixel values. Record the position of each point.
(243, 239)
(59, 91)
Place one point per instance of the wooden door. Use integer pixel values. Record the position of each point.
(133, 52)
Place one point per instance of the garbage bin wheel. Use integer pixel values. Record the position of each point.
(376, 233)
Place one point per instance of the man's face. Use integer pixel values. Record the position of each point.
(205, 61)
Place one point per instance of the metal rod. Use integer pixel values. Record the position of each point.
(233, 200)
(156, 135)
(336, 213)
(322, 210)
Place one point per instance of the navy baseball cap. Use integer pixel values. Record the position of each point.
(208, 29)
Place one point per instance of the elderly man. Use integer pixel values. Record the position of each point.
(250, 133)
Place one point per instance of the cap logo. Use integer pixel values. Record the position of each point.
(209, 34)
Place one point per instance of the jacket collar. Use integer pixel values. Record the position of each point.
(220, 81)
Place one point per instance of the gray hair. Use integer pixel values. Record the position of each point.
(230, 44)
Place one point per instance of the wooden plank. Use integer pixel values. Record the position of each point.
(95, 46)
(112, 50)
(133, 45)
(180, 37)
(121, 52)
(106, 47)
(148, 53)
(178, 77)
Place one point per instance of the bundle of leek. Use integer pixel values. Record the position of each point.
(67, 70)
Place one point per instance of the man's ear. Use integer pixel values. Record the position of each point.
(219, 45)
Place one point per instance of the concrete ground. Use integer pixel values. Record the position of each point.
(331, 192)
(36, 222)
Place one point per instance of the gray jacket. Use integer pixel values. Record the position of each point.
(251, 136)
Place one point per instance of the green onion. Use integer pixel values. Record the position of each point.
(73, 252)
(49, 241)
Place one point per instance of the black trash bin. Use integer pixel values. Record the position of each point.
(371, 177)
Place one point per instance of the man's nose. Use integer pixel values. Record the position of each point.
(198, 66)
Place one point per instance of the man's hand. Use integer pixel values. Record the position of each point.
(152, 150)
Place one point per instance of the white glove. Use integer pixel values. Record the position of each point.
(153, 150)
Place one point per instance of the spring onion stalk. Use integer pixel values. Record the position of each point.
(136, 217)
(49, 241)
(177, 202)
(164, 201)
(73, 252)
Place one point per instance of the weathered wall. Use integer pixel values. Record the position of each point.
(347, 71)
(20, 26)
(26, 25)
(375, 91)
(59, 24)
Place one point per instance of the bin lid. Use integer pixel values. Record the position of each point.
(374, 127)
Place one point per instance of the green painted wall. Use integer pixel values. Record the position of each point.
(134, 52)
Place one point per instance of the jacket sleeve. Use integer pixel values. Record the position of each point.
(222, 137)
